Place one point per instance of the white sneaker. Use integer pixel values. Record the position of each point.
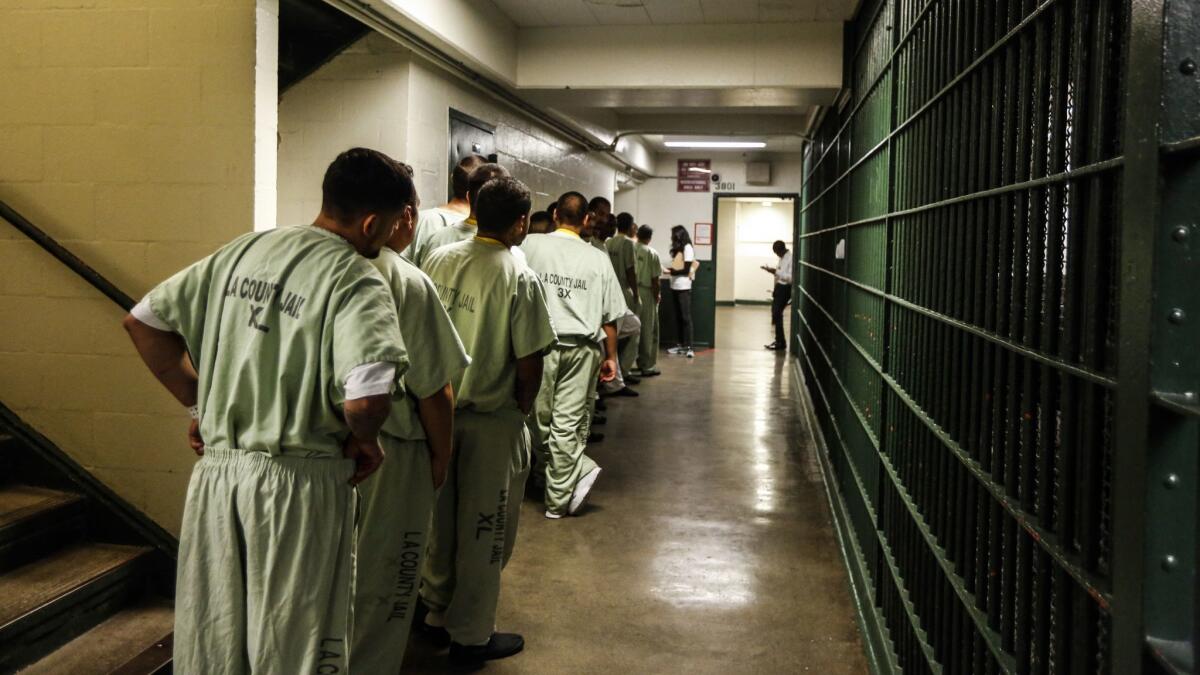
(691, 354)
(552, 515)
(676, 350)
(582, 488)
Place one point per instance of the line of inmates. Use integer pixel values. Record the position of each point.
(445, 339)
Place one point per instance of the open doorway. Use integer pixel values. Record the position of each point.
(747, 225)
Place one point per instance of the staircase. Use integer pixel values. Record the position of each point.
(85, 580)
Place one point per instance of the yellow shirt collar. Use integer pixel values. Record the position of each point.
(568, 231)
(489, 240)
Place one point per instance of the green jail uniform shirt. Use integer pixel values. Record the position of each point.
(274, 321)
(429, 223)
(649, 266)
(597, 244)
(581, 288)
(460, 231)
(499, 308)
(427, 332)
(622, 252)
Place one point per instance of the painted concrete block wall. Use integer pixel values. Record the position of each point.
(126, 132)
(378, 95)
(548, 164)
(657, 203)
(359, 98)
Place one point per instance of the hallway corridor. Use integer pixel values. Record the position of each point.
(706, 546)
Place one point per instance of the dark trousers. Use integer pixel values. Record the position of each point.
(780, 298)
(683, 315)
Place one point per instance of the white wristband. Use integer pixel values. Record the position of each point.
(194, 411)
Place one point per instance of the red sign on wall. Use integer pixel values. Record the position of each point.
(693, 175)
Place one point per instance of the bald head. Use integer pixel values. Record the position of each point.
(572, 208)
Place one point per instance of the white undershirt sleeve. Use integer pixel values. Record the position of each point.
(145, 313)
(370, 379)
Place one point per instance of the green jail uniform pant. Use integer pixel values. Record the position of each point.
(396, 505)
(471, 541)
(563, 412)
(266, 569)
(647, 359)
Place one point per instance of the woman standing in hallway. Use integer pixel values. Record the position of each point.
(683, 272)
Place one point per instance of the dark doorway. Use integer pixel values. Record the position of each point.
(468, 135)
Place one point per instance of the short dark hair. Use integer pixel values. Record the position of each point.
(481, 175)
(540, 217)
(624, 222)
(645, 232)
(778, 244)
(462, 173)
(500, 202)
(597, 201)
(551, 208)
(362, 181)
(572, 207)
(606, 226)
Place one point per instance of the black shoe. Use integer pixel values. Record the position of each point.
(595, 437)
(625, 391)
(599, 419)
(437, 635)
(601, 405)
(632, 379)
(775, 346)
(499, 646)
(653, 373)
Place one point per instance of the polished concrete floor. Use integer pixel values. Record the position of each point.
(707, 545)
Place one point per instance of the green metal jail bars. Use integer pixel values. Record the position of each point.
(998, 326)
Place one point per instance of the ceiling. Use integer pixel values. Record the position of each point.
(542, 13)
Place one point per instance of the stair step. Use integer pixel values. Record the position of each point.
(47, 602)
(136, 637)
(36, 520)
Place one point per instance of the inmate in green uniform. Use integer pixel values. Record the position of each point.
(622, 251)
(397, 500)
(649, 270)
(461, 230)
(274, 322)
(499, 309)
(429, 223)
(583, 295)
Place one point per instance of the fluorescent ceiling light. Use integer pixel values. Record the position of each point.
(768, 203)
(714, 144)
(699, 170)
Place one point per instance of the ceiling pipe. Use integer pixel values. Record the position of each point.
(366, 13)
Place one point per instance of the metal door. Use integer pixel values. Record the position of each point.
(468, 135)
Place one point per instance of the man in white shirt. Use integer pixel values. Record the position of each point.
(782, 295)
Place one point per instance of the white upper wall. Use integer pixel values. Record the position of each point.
(799, 55)
(377, 94)
(476, 30)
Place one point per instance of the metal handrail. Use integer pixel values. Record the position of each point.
(65, 256)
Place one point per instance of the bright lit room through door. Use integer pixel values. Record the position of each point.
(747, 227)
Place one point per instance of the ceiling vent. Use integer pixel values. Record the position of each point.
(758, 173)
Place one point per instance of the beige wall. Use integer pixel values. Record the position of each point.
(127, 132)
(378, 95)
